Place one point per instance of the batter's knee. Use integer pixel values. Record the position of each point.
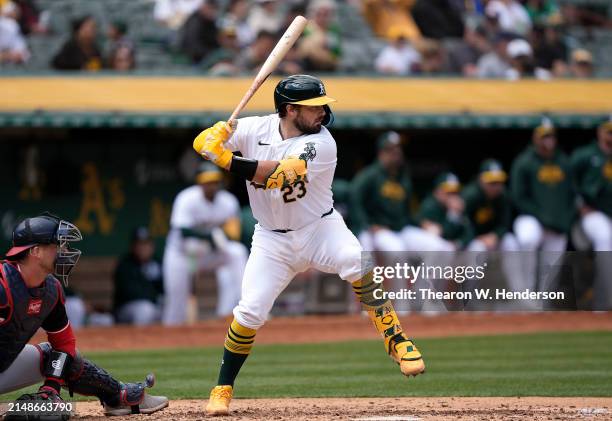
(250, 316)
(354, 263)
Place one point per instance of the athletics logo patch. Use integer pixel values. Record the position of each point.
(309, 152)
(34, 306)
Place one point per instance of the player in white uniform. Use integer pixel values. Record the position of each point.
(289, 159)
(204, 227)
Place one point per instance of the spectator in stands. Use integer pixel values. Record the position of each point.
(511, 16)
(122, 54)
(122, 59)
(592, 168)
(399, 57)
(496, 63)
(236, 17)
(522, 63)
(81, 51)
(174, 13)
(550, 51)
(542, 192)
(583, 15)
(199, 33)
(265, 15)
(31, 21)
(13, 46)
(438, 19)
(582, 64)
(391, 17)
(544, 12)
(138, 282)
(221, 62)
(442, 213)
(434, 59)
(253, 57)
(320, 45)
(463, 56)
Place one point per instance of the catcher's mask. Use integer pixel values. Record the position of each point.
(303, 90)
(49, 229)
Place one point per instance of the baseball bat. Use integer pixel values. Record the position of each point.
(283, 45)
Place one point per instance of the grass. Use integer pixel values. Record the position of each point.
(542, 364)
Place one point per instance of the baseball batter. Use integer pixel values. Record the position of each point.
(288, 160)
(31, 297)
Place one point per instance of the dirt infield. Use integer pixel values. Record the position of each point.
(314, 329)
(485, 409)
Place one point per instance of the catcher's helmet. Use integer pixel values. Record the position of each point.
(303, 90)
(48, 229)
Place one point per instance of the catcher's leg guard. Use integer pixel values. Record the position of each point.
(86, 378)
(401, 349)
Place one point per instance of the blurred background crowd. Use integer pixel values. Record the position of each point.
(508, 39)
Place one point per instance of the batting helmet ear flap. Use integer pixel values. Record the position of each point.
(329, 116)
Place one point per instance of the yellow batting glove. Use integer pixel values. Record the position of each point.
(209, 144)
(286, 173)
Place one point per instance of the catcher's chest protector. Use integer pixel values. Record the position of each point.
(23, 311)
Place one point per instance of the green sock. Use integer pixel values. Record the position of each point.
(238, 343)
(230, 366)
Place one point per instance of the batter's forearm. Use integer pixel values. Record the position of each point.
(264, 170)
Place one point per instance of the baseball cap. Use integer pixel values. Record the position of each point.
(141, 234)
(607, 123)
(546, 128)
(208, 173)
(388, 139)
(518, 48)
(491, 171)
(448, 182)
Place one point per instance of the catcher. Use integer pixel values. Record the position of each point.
(31, 297)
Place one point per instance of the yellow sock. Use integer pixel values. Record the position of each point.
(381, 312)
(239, 339)
(238, 343)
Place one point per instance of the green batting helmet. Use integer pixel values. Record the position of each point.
(303, 90)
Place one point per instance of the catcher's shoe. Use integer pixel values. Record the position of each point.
(134, 400)
(403, 351)
(147, 405)
(219, 401)
(45, 396)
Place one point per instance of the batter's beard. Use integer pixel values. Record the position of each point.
(305, 128)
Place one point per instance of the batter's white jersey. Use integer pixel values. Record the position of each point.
(283, 209)
(192, 210)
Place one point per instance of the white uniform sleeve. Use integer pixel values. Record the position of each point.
(182, 216)
(239, 138)
(319, 154)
